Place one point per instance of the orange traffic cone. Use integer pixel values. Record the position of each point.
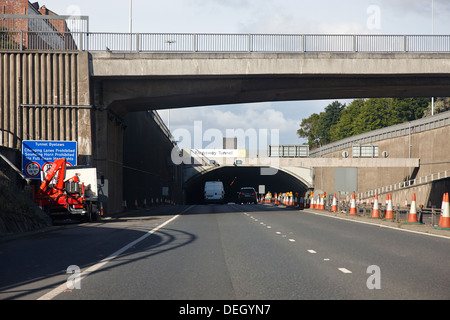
(353, 205)
(322, 202)
(444, 221)
(334, 205)
(389, 211)
(376, 211)
(101, 209)
(412, 219)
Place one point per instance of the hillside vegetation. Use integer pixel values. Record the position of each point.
(340, 121)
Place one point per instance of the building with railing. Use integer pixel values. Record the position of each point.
(27, 26)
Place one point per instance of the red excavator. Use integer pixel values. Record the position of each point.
(62, 197)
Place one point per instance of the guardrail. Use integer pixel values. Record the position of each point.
(429, 216)
(205, 42)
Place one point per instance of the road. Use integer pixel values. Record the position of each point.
(226, 252)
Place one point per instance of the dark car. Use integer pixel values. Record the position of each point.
(247, 194)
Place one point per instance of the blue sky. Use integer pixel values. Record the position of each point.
(259, 16)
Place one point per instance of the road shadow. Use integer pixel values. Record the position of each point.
(32, 266)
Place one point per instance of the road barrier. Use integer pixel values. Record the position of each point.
(444, 221)
(412, 219)
(375, 211)
(353, 205)
(389, 210)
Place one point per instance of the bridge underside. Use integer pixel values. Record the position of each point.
(131, 94)
(136, 82)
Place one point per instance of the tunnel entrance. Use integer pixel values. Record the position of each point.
(234, 178)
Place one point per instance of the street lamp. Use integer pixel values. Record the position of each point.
(432, 40)
(131, 17)
(131, 25)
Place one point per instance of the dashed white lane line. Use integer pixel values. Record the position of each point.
(344, 270)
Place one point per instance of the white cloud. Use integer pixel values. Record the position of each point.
(249, 118)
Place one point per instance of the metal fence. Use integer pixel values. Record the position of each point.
(288, 151)
(182, 42)
(426, 216)
(239, 43)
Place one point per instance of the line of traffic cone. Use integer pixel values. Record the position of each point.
(353, 205)
(444, 221)
(389, 215)
(334, 204)
(412, 218)
(375, 211)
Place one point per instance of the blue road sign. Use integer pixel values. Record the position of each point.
(38, 156)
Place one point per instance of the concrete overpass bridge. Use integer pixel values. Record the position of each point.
(91, 90)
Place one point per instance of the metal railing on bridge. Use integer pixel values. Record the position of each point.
(209, 43)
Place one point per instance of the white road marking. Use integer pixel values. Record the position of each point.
(50, 295)
(344, 270)
(292, 240)
(312, 251)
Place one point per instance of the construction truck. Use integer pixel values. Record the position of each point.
(73, 198)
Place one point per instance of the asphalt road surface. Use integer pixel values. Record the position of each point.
(224, 252)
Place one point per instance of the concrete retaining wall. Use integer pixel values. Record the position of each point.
(430, 146)
(41, 94)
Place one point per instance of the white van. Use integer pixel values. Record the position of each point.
(214, 192)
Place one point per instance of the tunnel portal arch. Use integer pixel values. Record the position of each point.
(234, 178)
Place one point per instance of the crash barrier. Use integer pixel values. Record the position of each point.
(408, 213)
(154, 202)
(411, 214)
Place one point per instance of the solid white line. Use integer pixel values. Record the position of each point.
(50, 295)
(380, 225)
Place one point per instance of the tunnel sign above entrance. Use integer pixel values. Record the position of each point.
(218, 153)
(38, 156)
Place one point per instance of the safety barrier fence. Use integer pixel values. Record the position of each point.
(400, 214)
(205, 42)
(428, 216)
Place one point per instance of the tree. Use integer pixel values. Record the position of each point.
(316, 128)
(362, 115)
(329, 118)
(309, 130)
(347, 125)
